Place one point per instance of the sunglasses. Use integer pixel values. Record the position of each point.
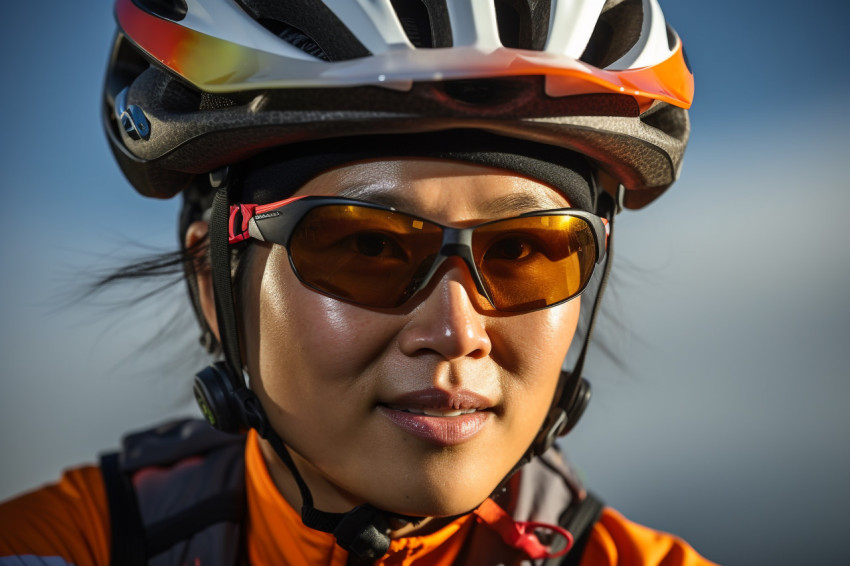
(376, 256)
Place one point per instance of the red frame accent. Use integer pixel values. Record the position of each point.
(248, 211)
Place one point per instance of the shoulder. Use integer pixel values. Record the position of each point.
(62, 523)
(159, 474)
(616, 540)
(179, 491)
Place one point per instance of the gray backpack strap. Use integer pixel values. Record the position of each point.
(127, 545)
(550, 492)
(579, 519)
(187, 482)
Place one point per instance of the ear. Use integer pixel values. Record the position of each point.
(197, 231)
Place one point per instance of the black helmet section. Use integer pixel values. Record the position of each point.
(190, 132)
(190, 136)
(126, 64)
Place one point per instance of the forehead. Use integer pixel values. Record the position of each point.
(432, 187)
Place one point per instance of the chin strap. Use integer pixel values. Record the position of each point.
(363, 531)
(573, 393)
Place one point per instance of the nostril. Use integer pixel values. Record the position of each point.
(477, 354)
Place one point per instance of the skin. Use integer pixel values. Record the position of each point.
(322, 367)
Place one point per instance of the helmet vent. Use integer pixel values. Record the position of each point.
(308, 25)
(425, 22)
(669, 119)
(125, 65)
(510, 23)
(415, 21)
(523, 24)
(295, 37)
(617, 31)
(671, 38)
(174, 10)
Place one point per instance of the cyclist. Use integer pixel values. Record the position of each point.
(391, 211)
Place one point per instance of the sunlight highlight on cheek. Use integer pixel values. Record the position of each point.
(303, 331)
(540, 340)
(561, 321)
(275, 296)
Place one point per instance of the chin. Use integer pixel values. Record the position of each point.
(433, 501)
(442, 486)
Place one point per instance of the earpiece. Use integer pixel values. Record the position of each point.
(226, 407)
(576, 410)
(560, 421)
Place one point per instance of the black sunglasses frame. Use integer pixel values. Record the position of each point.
(276, 222)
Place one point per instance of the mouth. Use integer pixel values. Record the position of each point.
(438, 417)
(433, 412)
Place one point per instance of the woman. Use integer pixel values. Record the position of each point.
(390, 211)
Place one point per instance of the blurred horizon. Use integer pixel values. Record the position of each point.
(728, 306)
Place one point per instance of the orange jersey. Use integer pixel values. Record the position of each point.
(68, 523)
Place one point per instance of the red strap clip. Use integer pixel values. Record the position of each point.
(521, 534)
(247, 212)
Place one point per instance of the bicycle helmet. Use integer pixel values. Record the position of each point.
(193, 85)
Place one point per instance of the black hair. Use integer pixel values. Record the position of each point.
(170, 269)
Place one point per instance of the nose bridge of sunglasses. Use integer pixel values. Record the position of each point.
(457, 242)
(442, 264)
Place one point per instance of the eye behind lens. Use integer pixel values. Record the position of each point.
(368, 256)
(510, 248)
(532, 262)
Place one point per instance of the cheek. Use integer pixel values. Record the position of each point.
(296, 324)
(534, 352)
(528, 344)
(307, 350)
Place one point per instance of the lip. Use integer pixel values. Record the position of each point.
(439, 430)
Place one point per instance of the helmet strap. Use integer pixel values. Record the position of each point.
(573, 394)
(362, 531)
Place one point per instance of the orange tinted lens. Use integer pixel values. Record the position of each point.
(365, 255)
(535, 261)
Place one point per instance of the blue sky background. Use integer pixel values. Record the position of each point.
(730, 426)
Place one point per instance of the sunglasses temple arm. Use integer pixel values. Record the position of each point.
(607, 225)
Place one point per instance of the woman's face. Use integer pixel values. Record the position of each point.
(346, 386)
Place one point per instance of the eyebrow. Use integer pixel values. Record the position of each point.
(522, 202)
(500, 206)
(371, 194)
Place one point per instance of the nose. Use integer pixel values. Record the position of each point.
(446, 322)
